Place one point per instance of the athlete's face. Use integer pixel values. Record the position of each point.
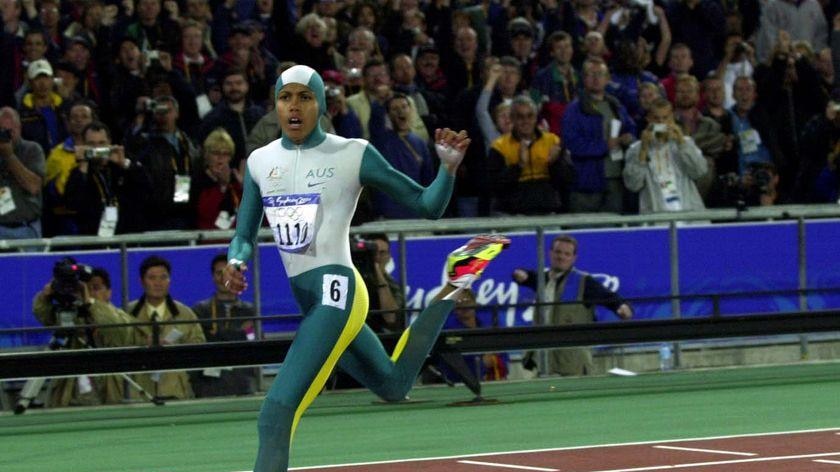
(297, 110)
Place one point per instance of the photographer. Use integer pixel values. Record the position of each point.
(757, 187)
(106, 191)
(343, 119)
(169, 157)
(21, 177)
(664, 164)
(81, 295)
(371, 257)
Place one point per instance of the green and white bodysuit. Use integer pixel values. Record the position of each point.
(308, 193)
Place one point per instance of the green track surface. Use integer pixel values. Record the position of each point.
(345, 427)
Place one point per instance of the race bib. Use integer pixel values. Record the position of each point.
(7, 203)
(749, 140)
(292, 219)
(108, 222)
(182, 189)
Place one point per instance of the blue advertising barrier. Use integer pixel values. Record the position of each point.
(636, 262)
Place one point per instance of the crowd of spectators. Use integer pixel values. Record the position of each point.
(135, 115)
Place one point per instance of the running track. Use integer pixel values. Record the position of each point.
(804, 451)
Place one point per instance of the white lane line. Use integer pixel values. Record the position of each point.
(554, 449)
(509, 466)
(824, 461)
(737, 461)
(712, 451)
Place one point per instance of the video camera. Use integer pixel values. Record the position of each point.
(68, 275)
(363, 254)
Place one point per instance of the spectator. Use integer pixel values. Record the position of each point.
(705, 132)
(344, 120)
(107, 193)
(648, 93)
(245, 56)
(755, 140)
(310, 46)
(573, 294)
(194, 64)
(91, 305)
(152, 30)
(738, 60)
(404, 150)
(235, 113)
(628, 76)
(556, 85)
(156, 305)
(820, 143)
(49, 18)
(34, 48)
(715, 109)
(802, 20)
(169, 156)
(430, 76)
(524, 166)
(462, 66)
(21, 178)
(217, 190)
(595, 127)
(78, 54)
(375, 75)
(384, 291)
(218, 314)
(698, 24)
(522, 40)
(679, 63)
(58, 219)
(497, 123)
(664, 164)
(40, 114)
(402, 75)
(128, 84)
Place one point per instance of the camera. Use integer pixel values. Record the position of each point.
(5, 135)
(333, 92)
(97, 153)
(151, 56)
(660, 128)
(762, 176)
(354, 73)
(741, 48)
(153, 106)
(58, 81)
(67, 276)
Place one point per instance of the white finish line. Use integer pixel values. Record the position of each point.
(712, 451)
(509, 466)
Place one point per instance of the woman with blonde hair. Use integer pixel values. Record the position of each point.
(217, 187)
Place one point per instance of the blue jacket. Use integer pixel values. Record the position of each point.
(583, 134)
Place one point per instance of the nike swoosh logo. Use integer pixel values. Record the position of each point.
(315, 184)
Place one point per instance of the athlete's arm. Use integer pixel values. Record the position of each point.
(248, 219)
(428, 202)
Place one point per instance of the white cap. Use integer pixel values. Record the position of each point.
(36, 68)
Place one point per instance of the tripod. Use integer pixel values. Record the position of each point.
(33, 386)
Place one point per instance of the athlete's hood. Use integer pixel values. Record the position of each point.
(309, 78)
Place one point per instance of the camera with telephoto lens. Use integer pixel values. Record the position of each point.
(99, 152)
(66, 297)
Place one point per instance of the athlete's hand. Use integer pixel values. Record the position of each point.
(450, 147)
(234, 277)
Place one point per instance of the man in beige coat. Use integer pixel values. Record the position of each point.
(156, 304)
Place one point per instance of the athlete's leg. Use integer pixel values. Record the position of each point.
(392, 377)
(322, 337)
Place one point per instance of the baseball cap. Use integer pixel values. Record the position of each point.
(39, 67)
(520, 26)
(79, 39)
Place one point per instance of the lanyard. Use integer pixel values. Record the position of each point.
(104, 190)
(413, 151)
